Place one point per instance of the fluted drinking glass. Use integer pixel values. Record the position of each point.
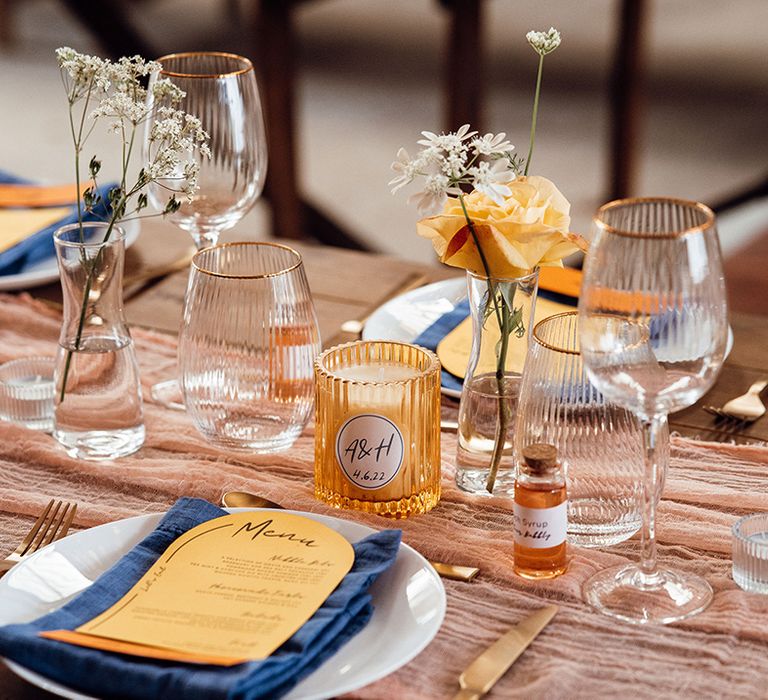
(221, 90)
(653, 328)
(599, 442)
(248, 340)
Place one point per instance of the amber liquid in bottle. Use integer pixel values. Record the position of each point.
(540, 502)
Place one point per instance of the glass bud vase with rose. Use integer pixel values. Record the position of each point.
(500, 225)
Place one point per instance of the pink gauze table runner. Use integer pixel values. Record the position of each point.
(721, 653)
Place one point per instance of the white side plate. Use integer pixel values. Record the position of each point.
(407, 316)
(45, 271)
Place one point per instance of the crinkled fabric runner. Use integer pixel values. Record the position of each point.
(720, 653)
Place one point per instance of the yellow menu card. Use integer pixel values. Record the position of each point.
(230, 590)
(454, 350)
(18, 224)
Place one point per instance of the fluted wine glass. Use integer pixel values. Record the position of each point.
(653, 328)
(220, 89)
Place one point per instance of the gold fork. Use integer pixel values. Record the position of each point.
(747, 407)
(52, 524)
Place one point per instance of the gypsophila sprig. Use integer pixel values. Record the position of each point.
(118, 93)
(544, 42)
(97, 89)
(451, 160)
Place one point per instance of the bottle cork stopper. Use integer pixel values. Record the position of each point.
(540, 457)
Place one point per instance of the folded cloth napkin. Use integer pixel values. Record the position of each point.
(342, 615)
(40, 245)
(430, 337)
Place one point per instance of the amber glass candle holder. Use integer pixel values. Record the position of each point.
(377, 435)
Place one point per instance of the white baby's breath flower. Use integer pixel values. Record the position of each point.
(83, 74)
(491, 144)
(123, 106)
(544, 42)
(491, 179)
(164, 89)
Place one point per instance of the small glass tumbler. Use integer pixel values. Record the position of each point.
(750, 552)
(377, 434)
(27, 392)
(248, 339)
(599, 443)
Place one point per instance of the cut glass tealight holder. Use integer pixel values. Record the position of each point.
(750, 553)
(27, 392)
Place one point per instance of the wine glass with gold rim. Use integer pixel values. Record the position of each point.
(653, 329)
(221, 90)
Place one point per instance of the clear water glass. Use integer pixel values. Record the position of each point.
(248, 340)
(653, 324)
(599, 443)
(27, 391)
(750, 552)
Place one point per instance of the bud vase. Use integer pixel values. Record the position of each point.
(502, 312)
(98, 411)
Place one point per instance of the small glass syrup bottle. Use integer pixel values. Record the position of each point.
(540, 514)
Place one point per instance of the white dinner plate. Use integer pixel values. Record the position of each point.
(407, 316)
(408, 599)
(45, 271)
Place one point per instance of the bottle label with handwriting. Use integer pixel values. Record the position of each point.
(539, 528)
(370, 450)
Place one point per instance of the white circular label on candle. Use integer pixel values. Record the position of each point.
(370, 450)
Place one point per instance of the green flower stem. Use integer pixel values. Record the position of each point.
(502, 318)
(92, 266)
(502, 422)
(535, 113)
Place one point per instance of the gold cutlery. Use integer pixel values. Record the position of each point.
(243, 499)
(52, 525)
(480, 676)
(747, 407)
(355, 326)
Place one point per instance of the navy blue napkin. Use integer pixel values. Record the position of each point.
(105, 674)
(431, 337)
(40, 245)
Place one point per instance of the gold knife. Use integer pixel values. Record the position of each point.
(480, 676)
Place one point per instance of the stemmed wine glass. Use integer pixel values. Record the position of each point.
(221, 91)
(653, 330)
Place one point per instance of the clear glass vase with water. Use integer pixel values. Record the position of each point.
(489, 396)
(98, 408)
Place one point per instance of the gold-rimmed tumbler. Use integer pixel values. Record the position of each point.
(599, 443)
(248, 339)
(377, 438)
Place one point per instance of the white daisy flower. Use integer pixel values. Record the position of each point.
(491, 144)
(491, 180)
